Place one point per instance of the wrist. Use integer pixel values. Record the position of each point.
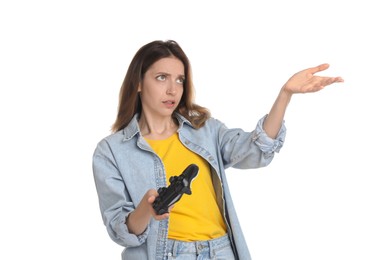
(285, 94)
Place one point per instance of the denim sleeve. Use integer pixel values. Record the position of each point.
(244, 150)
(266, 143)
(114, 201)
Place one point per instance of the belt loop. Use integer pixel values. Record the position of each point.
(174, 248)
(211, 249)
(198, 247)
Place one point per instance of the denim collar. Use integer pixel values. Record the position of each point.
(132, 129)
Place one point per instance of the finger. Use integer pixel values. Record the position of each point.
(162, 216)
(319, 68)
(334, 80)
(330, 80)
(339, 79)
(151, 199)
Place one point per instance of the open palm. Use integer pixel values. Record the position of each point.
(305, 81)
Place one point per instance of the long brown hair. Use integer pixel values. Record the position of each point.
(129, 100)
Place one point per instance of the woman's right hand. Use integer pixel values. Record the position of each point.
(150, 196)
(138, 220)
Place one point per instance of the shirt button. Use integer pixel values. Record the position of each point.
(169, 254)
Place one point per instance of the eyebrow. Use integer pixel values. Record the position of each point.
(169, 74)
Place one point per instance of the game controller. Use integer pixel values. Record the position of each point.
(178, 186)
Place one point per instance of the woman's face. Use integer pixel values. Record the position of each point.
(162, 87)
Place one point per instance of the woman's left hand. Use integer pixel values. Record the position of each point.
(305, 81)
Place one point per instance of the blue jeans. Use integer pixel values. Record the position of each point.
(219, 248)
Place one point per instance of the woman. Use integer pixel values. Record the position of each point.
(158, 132)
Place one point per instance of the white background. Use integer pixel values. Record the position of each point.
(326, 194)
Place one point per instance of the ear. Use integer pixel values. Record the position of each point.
(139, 87)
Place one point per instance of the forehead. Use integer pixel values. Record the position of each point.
(171, 65)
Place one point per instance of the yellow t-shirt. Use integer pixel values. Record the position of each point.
(196, 216)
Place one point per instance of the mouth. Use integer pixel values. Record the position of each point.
(169, 103)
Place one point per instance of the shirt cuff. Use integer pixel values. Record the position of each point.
(127, 238)
(266, 143)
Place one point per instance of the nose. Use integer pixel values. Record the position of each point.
(171, 90)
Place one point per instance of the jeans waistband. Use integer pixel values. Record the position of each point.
(196, 247)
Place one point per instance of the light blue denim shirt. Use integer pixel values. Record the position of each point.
(125, 167)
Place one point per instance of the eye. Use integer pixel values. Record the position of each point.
(180, 80)
(161, 77)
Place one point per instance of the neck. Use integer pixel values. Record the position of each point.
(157, 128)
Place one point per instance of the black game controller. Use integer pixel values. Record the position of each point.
(179, 185)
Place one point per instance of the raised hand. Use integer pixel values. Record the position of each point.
(305, 81)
